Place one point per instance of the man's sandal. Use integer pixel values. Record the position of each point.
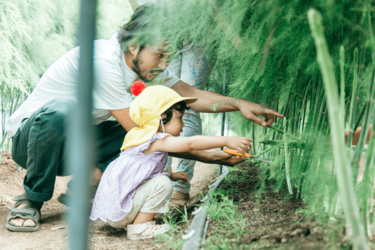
(30, 211)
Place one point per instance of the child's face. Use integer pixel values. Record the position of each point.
(175, 125)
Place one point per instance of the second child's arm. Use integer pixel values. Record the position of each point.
(193, 143)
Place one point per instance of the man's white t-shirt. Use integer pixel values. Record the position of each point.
(113, 79)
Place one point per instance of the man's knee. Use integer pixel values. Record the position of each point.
(56, 113)
(60, 108)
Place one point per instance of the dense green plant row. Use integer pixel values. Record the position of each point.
(271, 58)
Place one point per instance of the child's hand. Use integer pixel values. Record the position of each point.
(241, 144)
(177, 176)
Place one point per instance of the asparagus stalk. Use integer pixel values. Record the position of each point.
(286, 152)
(366, 190)
(343, 171)
(368, 113)
(367, 182)
(290, 135)
(254, 140)
(342, 81)
(353, 102)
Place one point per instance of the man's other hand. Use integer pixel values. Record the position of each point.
(226, 159)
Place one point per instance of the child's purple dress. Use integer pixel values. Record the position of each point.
(117, 187)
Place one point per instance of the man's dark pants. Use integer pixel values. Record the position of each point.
(38, 146)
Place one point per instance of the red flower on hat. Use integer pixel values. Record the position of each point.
(137, 87)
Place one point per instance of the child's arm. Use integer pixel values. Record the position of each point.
(186, 144)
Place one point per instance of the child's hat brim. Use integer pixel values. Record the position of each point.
(188, 100)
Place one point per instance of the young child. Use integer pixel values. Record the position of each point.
(134, 187)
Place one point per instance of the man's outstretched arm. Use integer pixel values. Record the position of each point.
(213, 157)
(210, 102)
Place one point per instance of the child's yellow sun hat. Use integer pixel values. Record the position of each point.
(146, 109)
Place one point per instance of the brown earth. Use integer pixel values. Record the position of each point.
(53, 233)
(271, 219)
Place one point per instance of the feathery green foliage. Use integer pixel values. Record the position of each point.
(35, 33)
(270, 57)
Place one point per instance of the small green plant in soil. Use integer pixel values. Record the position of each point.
(228, 221)
(178, 221)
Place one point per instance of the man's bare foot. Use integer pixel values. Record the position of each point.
(22, 222)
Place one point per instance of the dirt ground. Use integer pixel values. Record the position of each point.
(272, 221)
(53, 233)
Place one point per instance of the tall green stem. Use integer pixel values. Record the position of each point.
(369, 110)
(365, 192)
(286, 133)
(254, 140)
(342, 81)
(286, 152)
(2, 141)
(353, 102)
(343, 171)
